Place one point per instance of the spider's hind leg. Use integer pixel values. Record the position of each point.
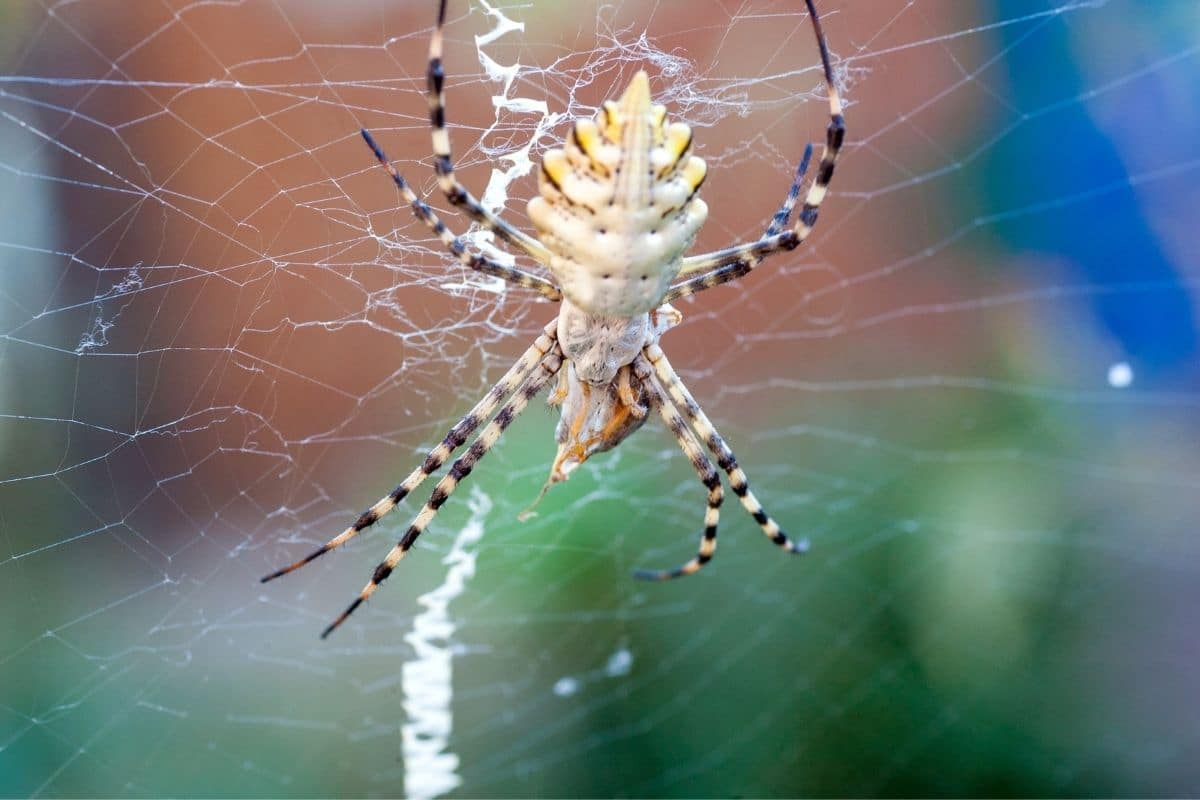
(725, 457)
(438, 456)
(459, 471)
(700, 462)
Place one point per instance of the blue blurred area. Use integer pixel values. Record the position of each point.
(1105, 236)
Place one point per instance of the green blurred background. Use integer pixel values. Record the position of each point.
(975, 391)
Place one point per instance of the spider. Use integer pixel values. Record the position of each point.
(617, 209)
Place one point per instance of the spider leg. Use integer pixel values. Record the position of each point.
(723, 266)
(455, 192)
(438, 456)
(774, 227)
(548, 366)
(560, 392)
(453, 243)
(625, 392)
(725, 458)
(704, 468)
(780, 220)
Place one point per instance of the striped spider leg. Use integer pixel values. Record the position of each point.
(780, 220)
(457, 194)
(597, 415)
(437, 457)
(443, 163)
(725, 459)
(459, 470)
(476, 261)
(731, 263)
(595, 424)
(704, 470)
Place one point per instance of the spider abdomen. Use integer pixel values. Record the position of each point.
(618, 205)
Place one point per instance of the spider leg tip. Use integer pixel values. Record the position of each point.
(375, 148)
(331, 627)
(268, 578)
(358, 601)
(801, 546)
(661, 575)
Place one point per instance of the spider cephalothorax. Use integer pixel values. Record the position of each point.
(616, 212)
(597, 415)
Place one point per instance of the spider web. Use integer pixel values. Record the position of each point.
(222, 336)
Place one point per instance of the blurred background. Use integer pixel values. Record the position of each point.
(975, 390)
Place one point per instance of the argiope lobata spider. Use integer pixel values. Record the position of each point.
(617, 209)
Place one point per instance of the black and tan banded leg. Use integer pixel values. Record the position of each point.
(438, 456)
(780, 220)
(700, 462)
(475, 261)
(443, 161)
(777, 223)
(547, 367)
(725, 457)
(723, 266)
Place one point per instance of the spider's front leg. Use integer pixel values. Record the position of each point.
(443, 162)
(731, 263)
